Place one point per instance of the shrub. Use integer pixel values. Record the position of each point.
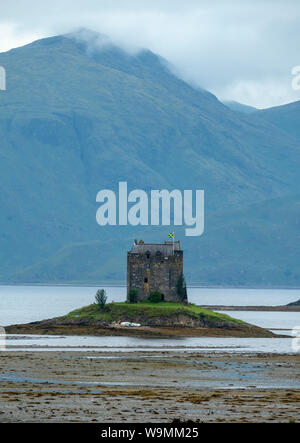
(155, 297)
(181, 288)
(133, 295)
(101, 299)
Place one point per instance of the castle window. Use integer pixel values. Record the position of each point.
(148, 254)
(146, 280)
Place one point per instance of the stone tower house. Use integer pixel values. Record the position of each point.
(155, 267)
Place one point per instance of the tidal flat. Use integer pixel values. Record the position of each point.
(148, 387)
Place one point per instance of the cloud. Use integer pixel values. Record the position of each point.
(242, 50)
(11, 36)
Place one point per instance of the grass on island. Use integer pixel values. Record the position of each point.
(115, 311)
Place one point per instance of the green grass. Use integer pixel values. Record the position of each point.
(130, 312)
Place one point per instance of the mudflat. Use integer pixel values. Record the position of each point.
(148, 387)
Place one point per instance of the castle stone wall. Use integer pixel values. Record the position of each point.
(149, 269)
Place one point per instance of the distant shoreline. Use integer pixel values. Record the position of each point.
(111, 285)
(252, 308)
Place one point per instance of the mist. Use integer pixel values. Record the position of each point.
(238, 50)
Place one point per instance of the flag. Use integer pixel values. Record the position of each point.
(171, 235)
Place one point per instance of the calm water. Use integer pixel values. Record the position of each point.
(133, 344)
(149, 345)
(22, 304)
(268, 320)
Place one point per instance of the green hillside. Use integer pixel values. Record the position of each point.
(239, 107)
(285, 117)
(253, 246)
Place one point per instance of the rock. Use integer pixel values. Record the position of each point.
(294, 303)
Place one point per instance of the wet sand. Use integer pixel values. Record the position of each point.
(144, 387)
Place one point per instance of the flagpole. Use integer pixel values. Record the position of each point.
(171, 235)
(173, 242)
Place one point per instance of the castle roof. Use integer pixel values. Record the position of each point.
(165, 248)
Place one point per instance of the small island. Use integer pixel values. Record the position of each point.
(160, 319)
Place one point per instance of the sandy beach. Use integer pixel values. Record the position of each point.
(145, 387)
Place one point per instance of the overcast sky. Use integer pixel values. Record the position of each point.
(241, 50)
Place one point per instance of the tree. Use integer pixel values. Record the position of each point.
(133, 295)
(101, 298)
(155, 297)
(181, 288)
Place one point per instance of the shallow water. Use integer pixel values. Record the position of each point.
(280, 322)
(149, 345)
(217, 378)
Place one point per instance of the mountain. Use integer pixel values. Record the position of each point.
(286, 117)
(254, 246)
(77, 118)
(239, 107)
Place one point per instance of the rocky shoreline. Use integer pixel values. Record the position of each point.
(63, 326)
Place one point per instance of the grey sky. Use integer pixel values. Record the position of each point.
(242, 50)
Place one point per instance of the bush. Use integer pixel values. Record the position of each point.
(101, 299)
(181, 288)
(133, 295)
(155, 297)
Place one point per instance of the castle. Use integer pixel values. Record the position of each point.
(155, 267)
